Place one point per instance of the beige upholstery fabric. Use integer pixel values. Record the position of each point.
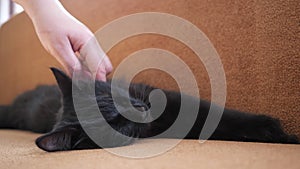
(18, 151)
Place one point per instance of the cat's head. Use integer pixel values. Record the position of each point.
(69, 133)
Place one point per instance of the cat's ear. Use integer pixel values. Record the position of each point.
(63, 81)
(57, 140)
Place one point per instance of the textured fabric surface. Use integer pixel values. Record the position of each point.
(18, 151)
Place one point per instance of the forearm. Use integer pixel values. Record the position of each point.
(41, 8)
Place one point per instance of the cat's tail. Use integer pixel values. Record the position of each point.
(4, 117)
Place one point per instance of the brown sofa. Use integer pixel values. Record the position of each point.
(259, 47)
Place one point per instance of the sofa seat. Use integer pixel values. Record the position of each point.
(18, 150)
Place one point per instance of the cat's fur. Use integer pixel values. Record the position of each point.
(40, 110)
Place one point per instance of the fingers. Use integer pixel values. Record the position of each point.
(67, 58)
(101, 76)
(96, 59)
(104, 68)
(108, 65)
(91, 61)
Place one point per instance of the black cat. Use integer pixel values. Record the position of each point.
(41, 110)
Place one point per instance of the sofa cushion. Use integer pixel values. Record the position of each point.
(18, 151)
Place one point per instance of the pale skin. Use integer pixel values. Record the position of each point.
(67, 39)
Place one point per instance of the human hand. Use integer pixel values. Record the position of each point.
(67, 39)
